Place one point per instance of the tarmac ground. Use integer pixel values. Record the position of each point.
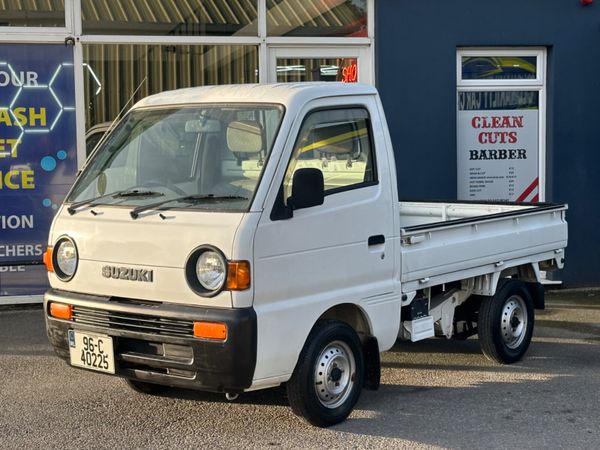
(434, 394)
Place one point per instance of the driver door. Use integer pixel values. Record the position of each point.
(338, 252)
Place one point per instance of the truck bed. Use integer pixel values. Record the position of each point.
(444, 242)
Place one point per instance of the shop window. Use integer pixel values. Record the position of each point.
(499, 67)
(338, 143)
(26, 13)
(116, 74)
(172, 18)
(500, 125)
(317, 69)
(317, 18)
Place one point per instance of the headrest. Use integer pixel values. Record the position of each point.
(336, 138)
(244, 136)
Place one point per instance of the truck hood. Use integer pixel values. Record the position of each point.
(112, 238)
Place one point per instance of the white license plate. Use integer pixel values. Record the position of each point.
(92, 351)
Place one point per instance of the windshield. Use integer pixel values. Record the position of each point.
(215, 153)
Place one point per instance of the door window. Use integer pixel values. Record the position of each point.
(337, 142)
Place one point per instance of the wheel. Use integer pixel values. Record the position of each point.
(329, 375)
(147, 388)
(505, 323)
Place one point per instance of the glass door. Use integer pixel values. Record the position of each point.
(297, 64)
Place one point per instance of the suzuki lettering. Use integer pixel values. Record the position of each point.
(127, 273)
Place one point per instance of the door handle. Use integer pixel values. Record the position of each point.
(377, 239)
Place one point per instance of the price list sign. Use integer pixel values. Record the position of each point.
(498, 146)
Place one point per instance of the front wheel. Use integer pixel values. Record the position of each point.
(329, 375)
(505, 323)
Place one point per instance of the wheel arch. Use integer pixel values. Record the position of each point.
(358, 319)
(530, 275)
(351, 314)
(487, 284)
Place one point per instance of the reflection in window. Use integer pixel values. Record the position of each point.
(317, 18)
(497, 100)
(26, 13)
(313, 69)
(116, 71)
(499, 67)
(176, 18)
(336, 142)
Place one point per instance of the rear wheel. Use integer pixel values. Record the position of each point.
(505, 323)
(329, 375)
(147, 388)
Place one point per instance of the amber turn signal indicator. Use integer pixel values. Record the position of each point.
(238, 275)
(48, 259)
(61, 311)
(210, 330)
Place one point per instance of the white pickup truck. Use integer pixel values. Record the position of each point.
(234, 238)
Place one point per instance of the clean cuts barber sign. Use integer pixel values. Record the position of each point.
(498, 146)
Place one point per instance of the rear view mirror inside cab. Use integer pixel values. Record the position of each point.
(203, 126)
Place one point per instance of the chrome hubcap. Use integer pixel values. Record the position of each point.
(334, 374)
(513, 323)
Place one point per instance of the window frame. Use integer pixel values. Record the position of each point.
(538, 84)
(537, 52)
(33, 33)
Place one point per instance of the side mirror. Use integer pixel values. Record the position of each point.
(308, 189)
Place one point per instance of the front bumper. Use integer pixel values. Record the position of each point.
(154, 342)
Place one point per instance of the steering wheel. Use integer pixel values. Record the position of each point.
(169, 186)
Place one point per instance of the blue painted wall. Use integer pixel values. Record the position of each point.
(416, 44)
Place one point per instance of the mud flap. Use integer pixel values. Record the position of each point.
(538, 294)
(372, 364)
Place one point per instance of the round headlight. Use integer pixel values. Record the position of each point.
(206, 271)
(65, 255)
(211, 270)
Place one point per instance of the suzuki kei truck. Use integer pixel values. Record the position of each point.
(234, 238)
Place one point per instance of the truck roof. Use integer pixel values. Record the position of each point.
(280, 93)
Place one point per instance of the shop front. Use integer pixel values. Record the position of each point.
(484, 101)
(497, 101)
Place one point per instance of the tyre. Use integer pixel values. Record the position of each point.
(147, 388)
(329, 375)
(505, 323)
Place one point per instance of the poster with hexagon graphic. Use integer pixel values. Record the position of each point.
(38, 160)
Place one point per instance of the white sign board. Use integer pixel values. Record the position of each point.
(497, 155)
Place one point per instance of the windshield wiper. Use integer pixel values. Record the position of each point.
(137, 193)
(122, 193)
(134, 213)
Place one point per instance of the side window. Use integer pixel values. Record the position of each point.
(337, 142)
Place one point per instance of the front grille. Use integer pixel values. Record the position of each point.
(133, 322)
(166, 359)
